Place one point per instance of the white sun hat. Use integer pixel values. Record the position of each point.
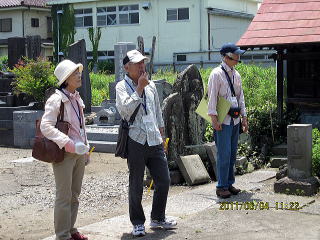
(65, 68)
(134, 56)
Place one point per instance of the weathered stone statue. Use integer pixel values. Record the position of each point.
(174, 126)
(189, 85)
(182, 124)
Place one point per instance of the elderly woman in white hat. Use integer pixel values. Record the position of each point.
(68, 173)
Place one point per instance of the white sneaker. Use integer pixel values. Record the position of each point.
(166, 224)
(138, 230)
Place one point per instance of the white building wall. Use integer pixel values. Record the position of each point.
(42, 16)
(178, 36)
(226, 29)
(245, 6)
(17, 26)
(171, 37)
(3, 51)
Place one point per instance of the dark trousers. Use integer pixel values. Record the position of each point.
(154, 158)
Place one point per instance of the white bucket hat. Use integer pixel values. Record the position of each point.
(64, 69)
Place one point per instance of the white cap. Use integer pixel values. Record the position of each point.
(134, 56)
(64, 69)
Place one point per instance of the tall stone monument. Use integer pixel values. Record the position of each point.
(300, 180)
(77, 53)
(16, 49)
(120, 50)
(182, 125)
(33, 47)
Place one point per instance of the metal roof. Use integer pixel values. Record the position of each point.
(19, 3)
(283, 22)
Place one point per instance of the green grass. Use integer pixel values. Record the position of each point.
(259, 83)
(168, 75)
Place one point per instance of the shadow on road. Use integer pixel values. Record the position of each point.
(151, 234)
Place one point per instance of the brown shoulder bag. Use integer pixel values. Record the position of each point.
(46, 150)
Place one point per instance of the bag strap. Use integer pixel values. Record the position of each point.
(229, 81)
(61, 113)
(133, 116)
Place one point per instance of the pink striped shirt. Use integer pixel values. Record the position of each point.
(74, 131)
(218, 86)
(49, 119)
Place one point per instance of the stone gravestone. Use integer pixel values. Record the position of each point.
(16, 49)
(174, 128)
(211, 149)
(77, 53)
(193, 170)
(189, 85)
(182, 125)
(33, 47)
(106, 116)
(299, 151)
(24, 127)
(111, 103)
(120, 50)
(300, 180)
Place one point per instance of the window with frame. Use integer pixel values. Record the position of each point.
(6, 25)
(129, 14)
(177, 14)
(181, 58)
(106, 16)
(114, 15)
(83, 17)
(34, 22)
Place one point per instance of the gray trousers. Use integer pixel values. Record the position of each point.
(68, 176)
(154, 158)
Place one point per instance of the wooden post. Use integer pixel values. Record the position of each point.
(280, 84)
(151, 57)
(140, 45)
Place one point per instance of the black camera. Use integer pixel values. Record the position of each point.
(234, 112)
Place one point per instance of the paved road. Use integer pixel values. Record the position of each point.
(200, 216)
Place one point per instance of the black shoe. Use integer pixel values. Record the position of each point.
(234, 190)
(223, 193)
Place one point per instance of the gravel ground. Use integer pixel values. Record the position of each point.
(27, 194)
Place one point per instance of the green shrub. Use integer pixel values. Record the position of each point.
(316, 152)
(3, 63)
(98, 96)
(100, 87)
(34, 78)
(106, 67)
(208, 135)
(259, 85)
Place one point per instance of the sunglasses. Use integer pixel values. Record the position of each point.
(239, 61)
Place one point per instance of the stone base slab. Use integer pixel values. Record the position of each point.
(303, 187)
